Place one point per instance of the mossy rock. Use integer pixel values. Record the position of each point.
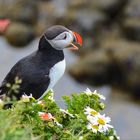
(116, 62)
(20, 10)
(131, 23)
(77, 3)
(92, 68)
(19, 34)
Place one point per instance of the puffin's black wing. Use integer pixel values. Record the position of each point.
(34, 76)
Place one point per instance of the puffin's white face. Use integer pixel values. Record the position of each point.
(62, 41)
(60, 38)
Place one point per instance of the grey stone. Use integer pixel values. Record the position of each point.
(19, 34)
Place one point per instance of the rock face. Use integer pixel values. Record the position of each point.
(114, 57)
(19, 10)
(131, 24)
(92, 69)
(116, 63)
(23, 15)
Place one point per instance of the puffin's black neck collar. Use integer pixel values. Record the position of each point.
(44, 44)
(46, 48)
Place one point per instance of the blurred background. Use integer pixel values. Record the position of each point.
(109, 61)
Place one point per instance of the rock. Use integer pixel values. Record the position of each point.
(92, 69)
(50, 13)
(19, 34)
(89, 20)
(131, 29)
(127, 58)
(133, 9)
(103, 4)
(78, 3)
(116, 63)
(45, 0)
(115, 9)
(131, 24)
(19, 10)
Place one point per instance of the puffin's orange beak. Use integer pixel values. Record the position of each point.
(78, 38)
(76, 42)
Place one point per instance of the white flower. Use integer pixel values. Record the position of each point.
(41, 103)
(89, 93)
(93, 127)
(66, 112)
(91, 119)
(99, 95)
(118, 137)
(25, 98)
(102, 122)
(111, 138)
(81, 138)
(1, 103)
(51, 90)
(58, 124)
(90, 111)
(51, 96)
(97, 122)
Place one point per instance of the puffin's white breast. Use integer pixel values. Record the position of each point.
(56, 72)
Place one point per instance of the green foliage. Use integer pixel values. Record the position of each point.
(30, 119)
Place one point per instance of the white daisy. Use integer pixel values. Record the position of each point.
(90, 111)
(92, 119)
(66, 112)
(102, 122)
(97, 122)
(93, 127)
(89, 93)
(25, 98)
(51, 96)
(99, 95)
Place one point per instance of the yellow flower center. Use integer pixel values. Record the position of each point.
(95, 127)
(101, 121)
(93, 113)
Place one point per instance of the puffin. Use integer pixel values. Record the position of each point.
(41, 70)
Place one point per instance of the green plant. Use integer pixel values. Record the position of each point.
(30, 119)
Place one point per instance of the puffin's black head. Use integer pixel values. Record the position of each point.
(59, 37)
